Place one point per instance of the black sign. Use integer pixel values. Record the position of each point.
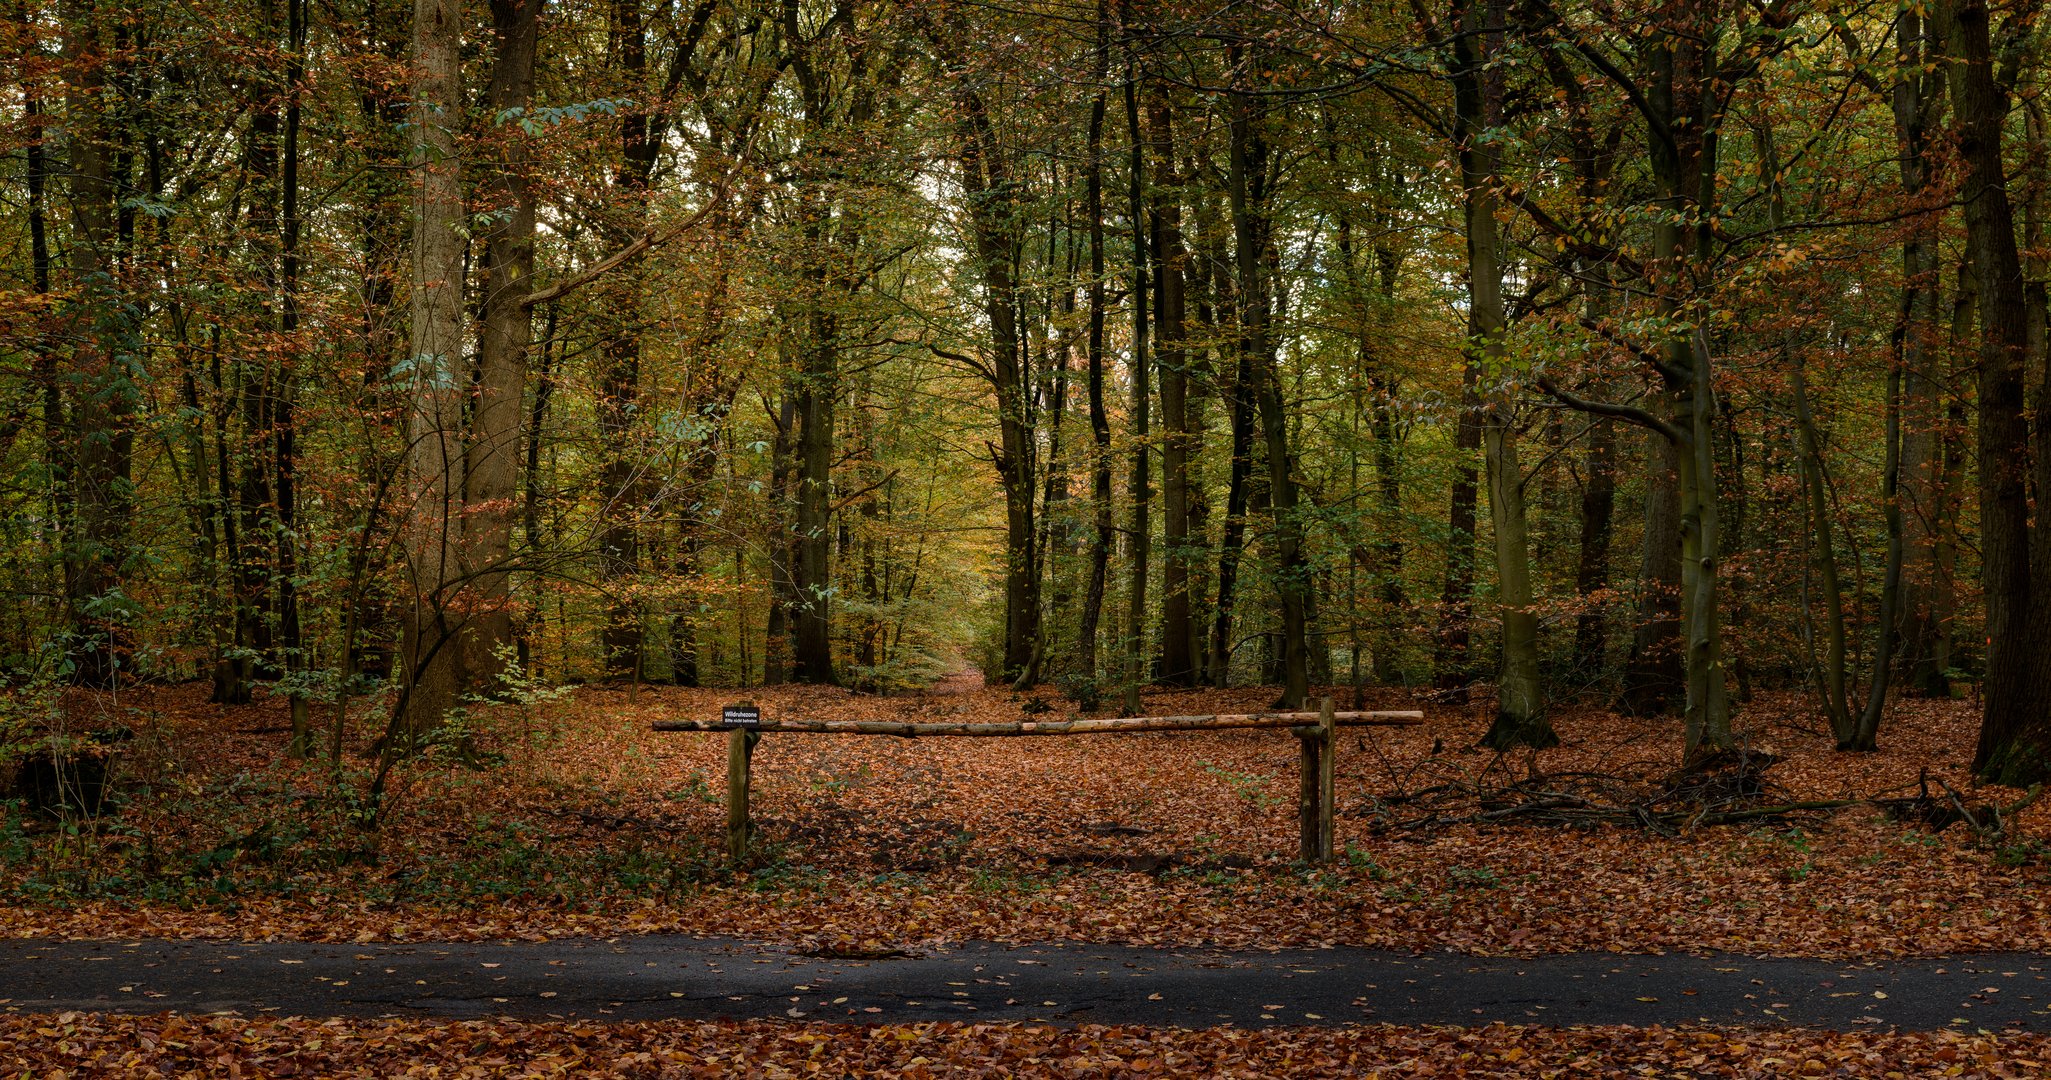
(740, 716)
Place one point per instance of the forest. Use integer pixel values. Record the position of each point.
(404, 407)
(734, 345)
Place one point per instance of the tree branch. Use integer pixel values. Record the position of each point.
(1630, 413)
(849, 500)
(1553, 226)
(1672, 373)
(613, 261)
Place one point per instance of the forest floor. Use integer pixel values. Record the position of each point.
(583, 821)
(571, 818)
(169, 1044)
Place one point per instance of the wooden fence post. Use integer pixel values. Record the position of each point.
(1327, 765)
(740, 753)
(1314, 793)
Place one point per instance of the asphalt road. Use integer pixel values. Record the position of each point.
(675, 977)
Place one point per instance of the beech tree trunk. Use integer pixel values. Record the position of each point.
(1179, 659)
(1685, 166)
(1520, 707)
(1139, 486)
(435, 672)
(2015, 725)
(1682, 110)
(1238, 400)
(996, 223)
(505, 330)
(817, 393)
(1100, 418)
(618, 388)
(1247, 178)
(1830, 667)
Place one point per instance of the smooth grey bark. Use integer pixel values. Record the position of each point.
(436, 376)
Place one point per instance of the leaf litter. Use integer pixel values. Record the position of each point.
(76, 1044)
(592, 824)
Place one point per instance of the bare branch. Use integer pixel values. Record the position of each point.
(611, 262)
(1630, 413)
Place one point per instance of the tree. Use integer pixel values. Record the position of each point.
(1248, 180)
(92, 468)
(2015, 727)
(1478, 94)
(996, 227)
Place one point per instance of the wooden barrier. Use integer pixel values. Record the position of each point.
(1316, 733)
(740, 757)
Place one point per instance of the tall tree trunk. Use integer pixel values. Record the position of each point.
(1816, 505)
(619, 348)
(834, 108)
(1179, 661)
(380, 40)
(817, 394)
(285, 448)
(435, 671)
(996, 224)
(2015, 725)
(1139, 492)
(255, 565)
(1706, 725)
(1915, 103)
(1052, 388)
(1683, 109)
(1865, 735)
(1100, 419)
(506, 329)
(1520, 707)
(1685, 168)
(1232, 545)
(1247, 178)
(783, 543)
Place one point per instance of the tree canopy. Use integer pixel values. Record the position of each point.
(1531, 350)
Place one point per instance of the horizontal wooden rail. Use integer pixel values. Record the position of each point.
(1317, 732)
(1108, 725)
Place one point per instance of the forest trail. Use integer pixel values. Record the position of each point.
(966, 681)
(648, 978)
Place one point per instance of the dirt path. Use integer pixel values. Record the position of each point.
(689, 978)
(965, 681)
